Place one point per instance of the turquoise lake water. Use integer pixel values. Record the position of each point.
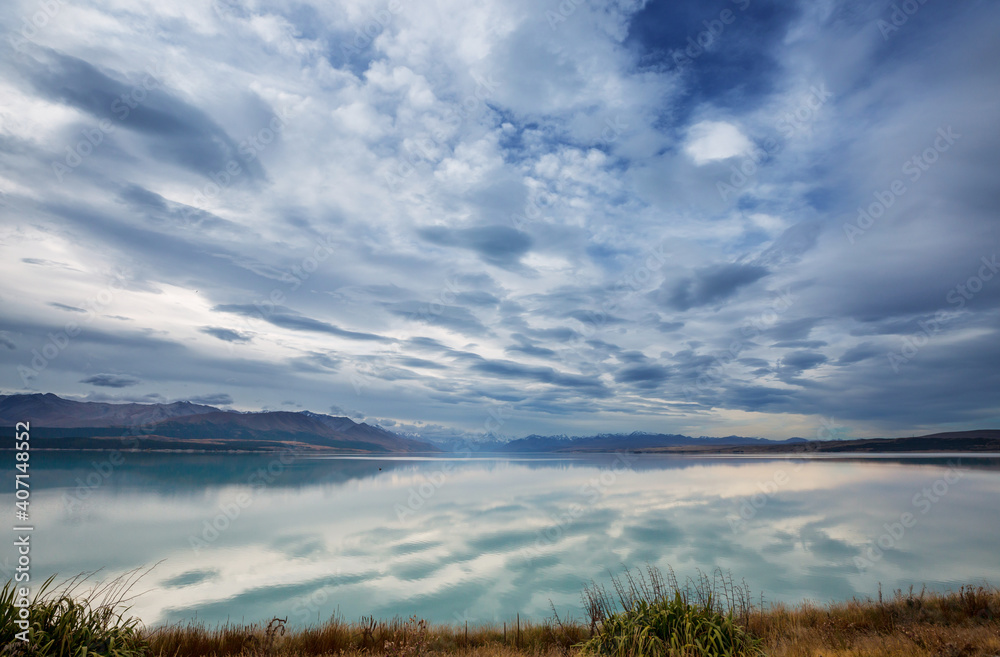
(482, 538)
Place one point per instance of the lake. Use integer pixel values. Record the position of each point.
(481, 538)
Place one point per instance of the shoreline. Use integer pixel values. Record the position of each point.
(643, 614)
(682, 452)
(954, 623)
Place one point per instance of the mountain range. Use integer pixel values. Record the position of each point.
(59, 423)
(68, 424)
(637, 440)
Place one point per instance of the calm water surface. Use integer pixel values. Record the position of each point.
(244, 537)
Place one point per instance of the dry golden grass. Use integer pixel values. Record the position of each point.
(395, 638)
(965, 623)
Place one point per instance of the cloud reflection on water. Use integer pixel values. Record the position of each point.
(503, 535)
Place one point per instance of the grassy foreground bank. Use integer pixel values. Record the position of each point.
(638, 614)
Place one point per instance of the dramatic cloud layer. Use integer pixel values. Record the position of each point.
(740, 216)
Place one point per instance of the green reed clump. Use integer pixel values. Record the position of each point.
(653, 617)
(63, 622)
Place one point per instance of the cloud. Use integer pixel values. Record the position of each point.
(215, 399)
(162, 212)
(715, 140)
(858, 353)
(422, 362)
(340, 411)
(796, 362)
(511, 369)
(177, 130)
(709, 285)
(289, 319)
(646, 376)
(422, 342)
(796, 329)
(475, 208)
(595, 318)
(791, 245)
(498, 245)
(318, 362)
(6, 341)
(228, 335)
(529, 349)
(454, 318)
(111, 380)
(63, 306)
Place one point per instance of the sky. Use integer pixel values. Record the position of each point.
(754, 217)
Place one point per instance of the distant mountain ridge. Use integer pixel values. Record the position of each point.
(629, 441)
(974, 441)
(55, 412)
(600, 442)
(66, 423)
